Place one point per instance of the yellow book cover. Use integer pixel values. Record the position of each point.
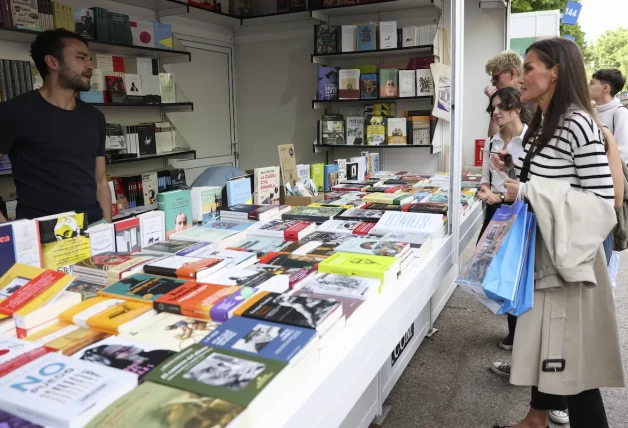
(380, 267)
(69, 17)
(59, 15)
(50, 332)
(113, 317)
(78, 314)
(63, 240)
(75, 340)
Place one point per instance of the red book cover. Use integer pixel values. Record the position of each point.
(23, 359)
(363, 229)
(128, 237)
(190, 270)
(292, 233)
(29, 290)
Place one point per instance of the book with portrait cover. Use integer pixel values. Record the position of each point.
(159, 406)
(177, 207)
(124, 354)
(217, 372)
(316, 314)
(84, 24)
(327, 83)
(264, 338)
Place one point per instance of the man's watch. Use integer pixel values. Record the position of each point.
(502, 197)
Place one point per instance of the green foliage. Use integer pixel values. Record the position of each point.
(610, 50)
(520, 6)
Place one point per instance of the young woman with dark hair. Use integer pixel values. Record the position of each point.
(567, 345)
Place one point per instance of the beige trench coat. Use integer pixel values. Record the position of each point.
(573, 319)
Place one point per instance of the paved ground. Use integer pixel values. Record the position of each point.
(448, 382)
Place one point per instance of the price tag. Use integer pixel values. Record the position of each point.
(572, 13)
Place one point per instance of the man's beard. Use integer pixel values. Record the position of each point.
(71, 80)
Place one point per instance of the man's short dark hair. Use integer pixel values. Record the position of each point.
(50, 43)
(612, 77)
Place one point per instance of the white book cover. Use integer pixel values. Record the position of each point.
(427, 225)
(355, 130)
(349, 34)
(203, 203)
(26, 242)
(397, 131)
(424, 82)
(267, 185)
(362, 166)
(150, 187)
(58, 391)
(342, 169)
(167, 88)
(303, 171)
(142, 32)
(340, 285)
(232, 257)
(408, 37)
(407, 83)
(152, 227)
(349, 84)
(388, 35)
(102, 239)
(97, 82)
(133, 84)
(13, 348)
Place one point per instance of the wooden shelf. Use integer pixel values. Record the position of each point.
(322, 103)
(323, 14)
(325, 58)
(364, 147)
(166, 56)
(151, 157)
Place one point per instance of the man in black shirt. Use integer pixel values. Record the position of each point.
(56, 143)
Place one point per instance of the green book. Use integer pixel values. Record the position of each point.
(388, 82)
(220, 373)
(177, 208)
(141, 287)
(318, 175)
(158, 406)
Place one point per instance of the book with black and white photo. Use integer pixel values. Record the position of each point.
(340, 285)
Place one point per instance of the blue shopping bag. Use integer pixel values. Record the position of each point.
(504, 272)
(525, 295)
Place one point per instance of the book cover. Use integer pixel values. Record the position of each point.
(388, 198)
(32, 391)
(150, 187)
(110, 265)
(231, 257)
(340, 285)
(208, 371)
(68, 339)
(349, 84)
(374, 247)
(151, 228)
(114, 318)
(159, 406)
(327, 83)
(355, 134)
(78, 314)
(124, 354)
(289, 261)
(128, 237)
(86, 289)
(345, 226)
(331, 176)
(325, 39)
(143, 34)
(318, 215)
(193, 299)
(388, 83)
(264, 338)
(23, 297)
(288, 309)
(184, 267)
(177, 208)
(360, 265)
(15, 353)
(234, 226)
(375, 130)
(170, 331)
(204, 203)
(349, 35)
(102, 238)
(388, 35)
(267, 185)
(407, 83)
(239, 191)
(163, 35)
(369, 84)
(173, 246)
(223, 310)
(64, 240)
(349, 305)
(260, 245)
(397, 131)
(8, 420)
(203, 234)
(318, 175)
(367, 37)
(84, 23)
(25, 14)
(333, 129)
(424, 82)
(146, 135)
(7, 251)
(251, 278)
(141, 287)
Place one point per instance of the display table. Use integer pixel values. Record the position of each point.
(348, 385)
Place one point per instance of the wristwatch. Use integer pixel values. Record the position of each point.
(502, 197)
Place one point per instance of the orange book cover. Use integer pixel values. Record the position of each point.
(113, 317)
(249, 302)
(32, 289)
(189, 270)
(75, 340)
(193, 299)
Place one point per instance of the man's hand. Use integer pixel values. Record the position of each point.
(490, 90)
(512, 190)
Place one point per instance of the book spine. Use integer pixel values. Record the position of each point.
(171, 308)
(7, 73)
(160, 271)
(3, 83)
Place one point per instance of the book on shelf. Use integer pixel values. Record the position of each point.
(369, 84)
(333, 129)
(84, 22)
(163, 35)
(367, 37)
(327, 84)
(388, 35)
(325, 39)
(407, 83)
(349, 81)
(349, 38)
(424, 82)
(389, 83)
(143, 33)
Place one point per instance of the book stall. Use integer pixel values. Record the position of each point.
(295, 294)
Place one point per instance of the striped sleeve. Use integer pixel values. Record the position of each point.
(589, 155)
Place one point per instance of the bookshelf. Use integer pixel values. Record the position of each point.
(179, 7)
(382, 146)
(167, 107)
(413, 50)
(323, 14)
(166, 56)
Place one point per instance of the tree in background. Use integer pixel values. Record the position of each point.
(610, 50)
(520, 6)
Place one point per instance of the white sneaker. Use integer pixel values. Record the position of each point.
(502, 369)
(560, 417)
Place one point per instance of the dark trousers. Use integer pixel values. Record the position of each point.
(586, 410)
